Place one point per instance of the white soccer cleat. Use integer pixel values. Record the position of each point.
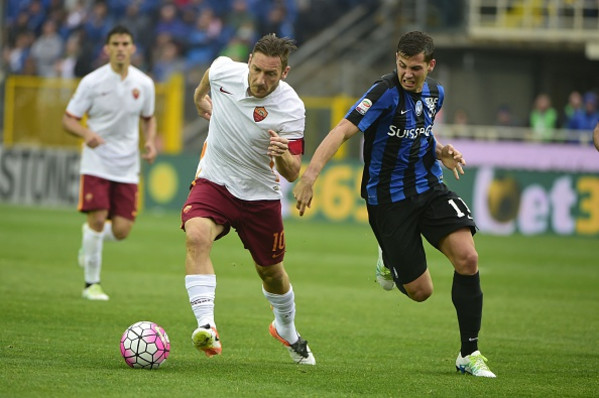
(206, 339)
(474, 364)
(298, 351)
(94, 292)
(383, 274)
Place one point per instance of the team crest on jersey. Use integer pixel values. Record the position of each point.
(260, 113)
(364, 106)
(431, 104)
(419, 107)
(135, 93)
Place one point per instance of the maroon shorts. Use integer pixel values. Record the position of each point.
(258, 223)
(95, 193)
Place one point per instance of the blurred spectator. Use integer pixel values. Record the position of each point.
(97, 26)
(86, 58)
(203, 40)
(76, 16)
(47, 49)
(20, 24)
(16, 57)
(543, 118)
(587, 117)
(278, 21)
(36, 16)
(237, 49)
(239, 16)
(139, 25)
(169, 22)
(169, 61)
(65, 66)
(574, 104)
(460, 117)
(505, 117)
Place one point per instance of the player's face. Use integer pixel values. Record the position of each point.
(265, 74)
(412, 71)
(119, 49)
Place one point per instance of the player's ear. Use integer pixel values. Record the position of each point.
(431, 65)
(285, 72)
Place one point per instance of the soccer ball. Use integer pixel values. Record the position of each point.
(145, 345)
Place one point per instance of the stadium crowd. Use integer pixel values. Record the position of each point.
(64, 38)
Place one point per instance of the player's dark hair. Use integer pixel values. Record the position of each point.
(274, 46)
(118, 30)
(413, 43)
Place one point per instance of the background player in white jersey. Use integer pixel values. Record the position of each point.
(256, 126)
(114, 97)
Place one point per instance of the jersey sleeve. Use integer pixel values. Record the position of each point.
(81, 101)
(220, 68)
(368, 108)
(149, 101)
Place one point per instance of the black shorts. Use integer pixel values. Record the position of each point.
(398, 228)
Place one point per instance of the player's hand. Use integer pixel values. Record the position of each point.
(453, 160)
(277, 146)
(150, 152)
(204, 107)
(93, 140)
(303, 193)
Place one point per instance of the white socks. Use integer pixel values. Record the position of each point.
(201, 290)
(107, 232)
(92, 251)
(283, 307)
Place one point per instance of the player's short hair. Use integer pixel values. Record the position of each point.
(118, 30)
(413, 43)
(274, 46)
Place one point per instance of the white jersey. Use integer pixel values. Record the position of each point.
(113, 107)
(236, 149)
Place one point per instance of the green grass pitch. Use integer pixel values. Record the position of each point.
(540, 323)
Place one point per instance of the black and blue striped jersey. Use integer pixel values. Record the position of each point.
(399, 145)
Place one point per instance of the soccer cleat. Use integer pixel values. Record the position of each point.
(94, 292)
(205, 338)
(383, 274)
(475, 364)
(298, 351)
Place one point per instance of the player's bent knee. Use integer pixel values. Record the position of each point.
(420, 295)
(197, 238)
(467, 264)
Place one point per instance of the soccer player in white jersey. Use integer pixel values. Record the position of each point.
(114, 97)
(256, 133)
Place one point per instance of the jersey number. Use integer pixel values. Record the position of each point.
(278, 242)
(459, 212)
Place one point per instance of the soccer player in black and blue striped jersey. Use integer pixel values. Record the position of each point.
(402, 184)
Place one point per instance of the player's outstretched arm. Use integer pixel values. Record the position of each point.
(451, 158)
(303, 190)
(201, 98)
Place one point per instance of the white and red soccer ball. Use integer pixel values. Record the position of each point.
(145, 345)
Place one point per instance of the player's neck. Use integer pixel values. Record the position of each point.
(120, 69)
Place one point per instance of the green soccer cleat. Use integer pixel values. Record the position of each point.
(474, 364)
(94, 292)
(383, 274)
(206, 339)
